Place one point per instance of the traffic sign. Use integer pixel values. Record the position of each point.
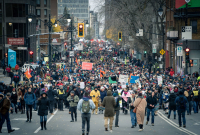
(162, 51)
(71, 53)
(179, 51)
(183, 64)
(154, 48)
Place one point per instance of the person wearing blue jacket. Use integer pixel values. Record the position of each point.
(103, 94)
(29, 99)
(85, 105)
(181, 102)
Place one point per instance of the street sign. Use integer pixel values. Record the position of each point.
(71, 53)
(186, 32)
(179, 51)
(21, 48)
(162, 51)
(139, 33)
(194, 63)
(80, 46)
(54, 40)
(154, 48)
(183, 64)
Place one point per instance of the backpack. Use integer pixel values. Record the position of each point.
(181, 103)
(196, 93)
(86, 106)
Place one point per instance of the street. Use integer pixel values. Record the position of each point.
(60, 124)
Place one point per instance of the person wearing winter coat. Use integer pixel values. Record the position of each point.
(172, 105)
(73, 101)
(109, 104)
(130, 102)
(4, 112)
(125, 95)
(43, 104)
(95, 94)
(51, 94)
(103, 94)
(117, 107)
(29, 99)
(141, 104)
(13, 99)
(16, 78)
(61, 94)
(181, 102)
(188, 95)
(85, 116)
(151, 103)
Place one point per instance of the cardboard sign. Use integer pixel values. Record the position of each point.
(82, 85)
(159, 80)
(123, 78)
(87, 66)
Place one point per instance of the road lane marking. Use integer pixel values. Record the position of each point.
(37, 130)
(174, 124)
(12, 128)
(20, 119)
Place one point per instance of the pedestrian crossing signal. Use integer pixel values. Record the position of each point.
(120, 36)
(80, 29)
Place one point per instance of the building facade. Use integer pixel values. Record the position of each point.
(79, 8)
(175, 22)
(15, 28)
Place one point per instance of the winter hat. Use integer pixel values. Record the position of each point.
(72, 92)
(44, 93)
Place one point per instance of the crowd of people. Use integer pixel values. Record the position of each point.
(99, 91)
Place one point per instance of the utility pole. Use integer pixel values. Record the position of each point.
(71, 43)
(49, 42)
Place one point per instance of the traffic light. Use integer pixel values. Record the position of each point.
(187, 55)
(80, 29)
(31, 56)
(191, 63)
(16, 33)
(120, 36)
(6, 55)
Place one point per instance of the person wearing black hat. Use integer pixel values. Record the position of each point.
(4, 112)
(181, 102)
(43, 104)
(73, 101)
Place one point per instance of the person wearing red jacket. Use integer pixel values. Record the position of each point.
(65, 78)
(171, 72)
(16, 67)
(60, 83)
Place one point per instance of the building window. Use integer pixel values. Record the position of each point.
(38, 12)
(45, 12)
(45, 3)
(193, 23)
(38, 3)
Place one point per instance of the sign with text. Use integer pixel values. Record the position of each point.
(15, 41)
(87, 66)
(179, 51)
(123, 78)
(187, 32)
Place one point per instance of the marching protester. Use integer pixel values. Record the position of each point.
(29, 99)
(4, 112)
(181, 102)
(151, 103)
(73, 101)
(117, 107)
(140, 104)
(85, 105)
(109, 104)
(131, 100)
(95, 94)
(43, 104)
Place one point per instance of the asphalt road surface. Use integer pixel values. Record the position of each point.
(60, 124)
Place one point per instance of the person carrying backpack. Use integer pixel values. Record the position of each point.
(181, 102)
(29, 99)
(85, 105)
(16, 78)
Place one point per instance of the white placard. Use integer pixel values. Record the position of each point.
(179, 51)
(123, 78)
(186, 32)
(123, 84)
(82, 85)
(159, 79)
(80, 46)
